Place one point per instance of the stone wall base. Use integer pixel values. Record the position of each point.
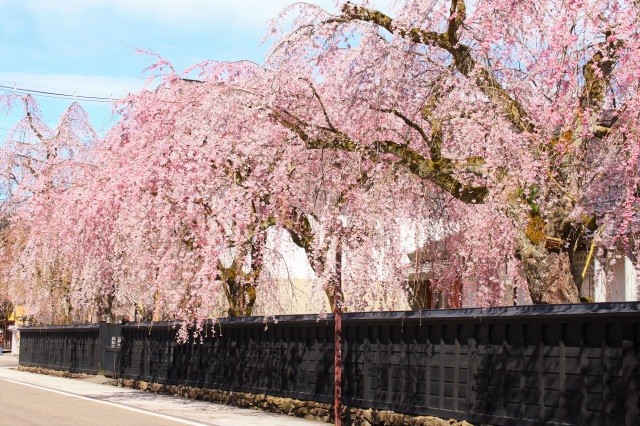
(310, 410)
(50, 372)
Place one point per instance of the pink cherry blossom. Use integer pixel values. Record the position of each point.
(496, 137)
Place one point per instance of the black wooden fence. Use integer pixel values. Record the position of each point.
(68, 348)
(552, 364)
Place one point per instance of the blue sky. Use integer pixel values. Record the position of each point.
(87, 47)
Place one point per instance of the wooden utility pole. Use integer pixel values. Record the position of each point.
(337, 317)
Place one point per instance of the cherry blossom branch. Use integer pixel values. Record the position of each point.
(434, 149)
(324, 110)
(299, 228)
(597, 73)
(461, 53)
(438, 171)
(29, 117)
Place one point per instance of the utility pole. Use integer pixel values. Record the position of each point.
(337, 317)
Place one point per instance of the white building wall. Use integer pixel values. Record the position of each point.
(631, 288)
(617, 283)
(599, 282)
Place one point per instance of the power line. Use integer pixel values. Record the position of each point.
(12, 83)
(55, 95)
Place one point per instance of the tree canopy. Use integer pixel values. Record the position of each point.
(501, 136)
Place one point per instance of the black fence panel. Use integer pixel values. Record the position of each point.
(293, 358)
(71, 348)
(551, 364)
(562, 364)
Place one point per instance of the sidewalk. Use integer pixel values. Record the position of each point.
(196, 412)
(6, 360)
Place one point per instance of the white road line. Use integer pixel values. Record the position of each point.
(113, 404)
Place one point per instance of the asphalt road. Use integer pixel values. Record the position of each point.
(36, 399)
(26, 405)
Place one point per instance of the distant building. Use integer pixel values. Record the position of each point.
(606, 282)
(614, 282)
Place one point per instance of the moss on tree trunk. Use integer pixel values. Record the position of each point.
(548, 273)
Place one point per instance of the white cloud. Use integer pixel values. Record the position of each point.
(178, 14)
(240, 13)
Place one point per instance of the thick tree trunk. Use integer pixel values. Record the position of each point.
(241, 297)
(422, 296)
(240, 286)
(548, 274)
(419, 294)
(299, 228)
(105, 307)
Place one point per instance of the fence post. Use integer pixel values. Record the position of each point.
(337, 319)
(101, 347)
